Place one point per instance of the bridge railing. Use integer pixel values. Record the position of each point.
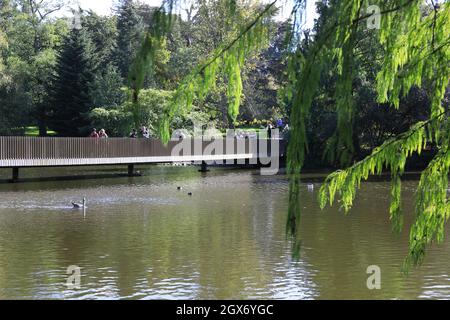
(54, 148)
(77, 148)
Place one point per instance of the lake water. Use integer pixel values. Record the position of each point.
(141, 238)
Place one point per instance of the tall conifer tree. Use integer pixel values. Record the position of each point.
(128, 39)
(72, 98)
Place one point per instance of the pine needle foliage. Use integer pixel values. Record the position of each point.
(416, 43)
(227, 59)
(417, 50)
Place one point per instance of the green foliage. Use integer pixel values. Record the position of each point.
(72, 96)
(395, 209)
(4, 42)
(117, 122)
(228, 59)
(27, 60)
(3, 46)
(415, 53)
(431, 202)
(102, 31)
(107, 90)
(417, 49)
(263, 78)
(29, 66)
(129, 35)
(432, 207)
(393, 155)
(150, 108)
(302, 90)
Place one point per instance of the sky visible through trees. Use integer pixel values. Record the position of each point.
(103, 7)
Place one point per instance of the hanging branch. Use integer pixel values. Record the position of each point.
(228, 59)
(406, 38)
(386, 155)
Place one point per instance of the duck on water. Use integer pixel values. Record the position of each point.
(79, 205)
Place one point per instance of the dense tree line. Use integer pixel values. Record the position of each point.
(338, 80)
(65, 75)
(67, 78)
(373, 122)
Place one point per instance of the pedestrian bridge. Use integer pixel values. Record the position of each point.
(21, 152)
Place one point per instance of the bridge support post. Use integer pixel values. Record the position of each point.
(15, 174)
(204, 167)
(131, 170)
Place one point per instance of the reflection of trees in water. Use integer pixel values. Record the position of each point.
(340, 248)
(227, 241)
(207, 246)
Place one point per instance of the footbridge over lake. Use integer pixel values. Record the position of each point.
(23, 152)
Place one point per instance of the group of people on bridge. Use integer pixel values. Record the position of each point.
(144, 132)
(100, 134)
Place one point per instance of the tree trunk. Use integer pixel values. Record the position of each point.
(42, 129)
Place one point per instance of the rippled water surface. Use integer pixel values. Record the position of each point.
(141, 238)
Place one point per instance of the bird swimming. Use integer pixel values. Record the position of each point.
(190, 194)
(78, 205)
(179, 188)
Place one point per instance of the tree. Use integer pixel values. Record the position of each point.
(5, 9)
(102, 31)
(416, 52)
(129, 35)
(28, 59)
(414, 44)
(263, 79)
(40, 38)
(107, 88)
(14, 102)
(72, 92)
(37, 13)
(119, 121)
(374, 122)
(222, 68)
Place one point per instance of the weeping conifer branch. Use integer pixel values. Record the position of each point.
(431, 203)
(228, 59)
(340, 146)
(432, 208)
(416, 50)
(392, 155)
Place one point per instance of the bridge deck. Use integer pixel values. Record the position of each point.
(42, 152)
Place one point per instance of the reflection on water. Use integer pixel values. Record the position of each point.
(141, 238)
